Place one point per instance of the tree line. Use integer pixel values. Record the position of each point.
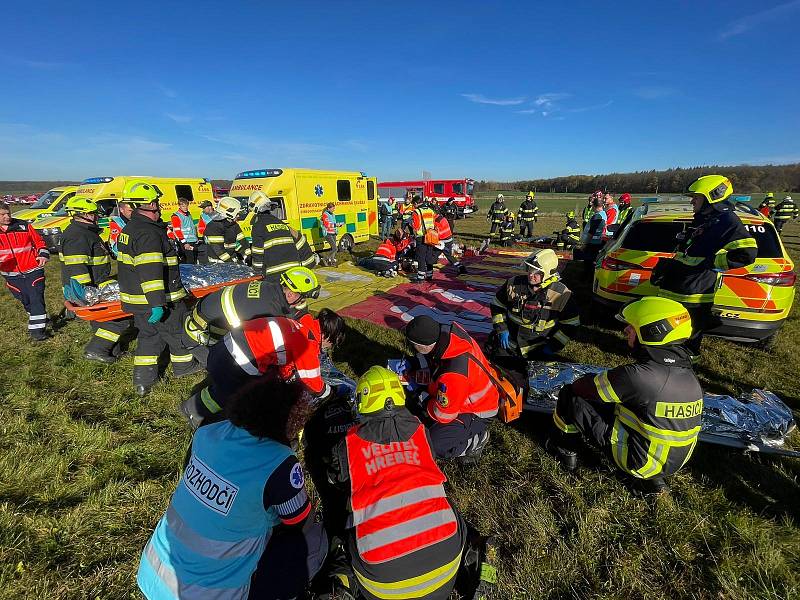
(746, 179)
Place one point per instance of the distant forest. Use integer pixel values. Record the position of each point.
(747, 179)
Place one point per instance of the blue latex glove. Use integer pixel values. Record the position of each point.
(505, 340)
(546, 350)
(156, 314)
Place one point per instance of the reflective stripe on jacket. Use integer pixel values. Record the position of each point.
(83, 255)
(20, 246)
(328, 220)
(208, 543)
(458, 384)
(422, 220)
(147, 266)
(396, 494)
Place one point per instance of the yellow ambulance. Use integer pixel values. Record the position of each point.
(300, 196)
(48, 204)
(106, 191)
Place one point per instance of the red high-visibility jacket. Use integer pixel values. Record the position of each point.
(281, 343)
(397, 497)
(20, 246)
(459, 385)
(443, 229)
(389, 249)
(329, 222)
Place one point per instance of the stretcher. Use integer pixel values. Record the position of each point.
(110, 311)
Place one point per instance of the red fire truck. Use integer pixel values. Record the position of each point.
(439, 189)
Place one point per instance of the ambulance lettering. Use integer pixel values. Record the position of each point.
(246, 187)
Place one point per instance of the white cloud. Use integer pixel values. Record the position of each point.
(654, 92)
(481, 99)
(550, 100)
(590, 107)
(181, 119)
(745, 24)
(168, 92)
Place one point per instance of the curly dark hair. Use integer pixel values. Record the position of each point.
(269, 407)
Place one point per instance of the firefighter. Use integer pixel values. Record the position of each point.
(460, 400)
(646, 414)
(570, 236)
(527, 217)
(624, 208)
(225, 309)
(240, 523)
(116, 223)
(497, 215)
(386, 260)
(534, 315)
(405, 538)
(266, 346)
(85, 260)
(784, 211)
(224, 239)
(507, 230)
(450, 212)
(767, 206)
(23, 255)
(423, 223)
(276, 246)
(150, 288)
(185, 232)
(715, 242)
(445, 245)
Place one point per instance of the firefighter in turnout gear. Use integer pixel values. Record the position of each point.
(276, 246)
(570, 236)
(23, 255)
(225, 309)
(240, 523)
(715, 242)
(405, 538)
(423, 222)
(224, 239)
(527, 217)
(534, 315)
(767, 206)
(645, 414)
(85, 259)
(266, 346)
(507, 231)
(785, 211)
(150, 288)
(461, 399)
(497, 216)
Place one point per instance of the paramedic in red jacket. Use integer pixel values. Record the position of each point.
(460, 400)
(386, 259)
(23, 255)
(445, 245)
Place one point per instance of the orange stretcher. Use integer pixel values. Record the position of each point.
(111, 311)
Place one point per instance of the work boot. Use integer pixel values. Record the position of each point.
(652, 487)
(568, 458)
(99, 357)
(40, 335)
(142, 390)
(195, 368)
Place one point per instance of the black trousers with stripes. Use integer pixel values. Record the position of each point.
(28, 288)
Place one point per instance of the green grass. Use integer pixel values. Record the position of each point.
(87, 468)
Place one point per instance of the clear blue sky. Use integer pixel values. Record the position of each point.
(489, 90)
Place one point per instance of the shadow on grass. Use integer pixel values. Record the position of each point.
(753, 481)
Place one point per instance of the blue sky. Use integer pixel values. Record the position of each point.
(489, 90)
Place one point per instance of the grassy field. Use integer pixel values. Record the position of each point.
(87, 468)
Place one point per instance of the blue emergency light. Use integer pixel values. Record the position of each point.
(259, 173)
(742, 198)
(650, 200)
(98, 180)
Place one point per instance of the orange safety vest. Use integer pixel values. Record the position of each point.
(422, 216)
(397, 497)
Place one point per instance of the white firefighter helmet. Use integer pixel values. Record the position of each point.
(258, 202)
(229, 207)
(544, 261)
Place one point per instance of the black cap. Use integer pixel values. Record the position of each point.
(205, 203)
(423, 330)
